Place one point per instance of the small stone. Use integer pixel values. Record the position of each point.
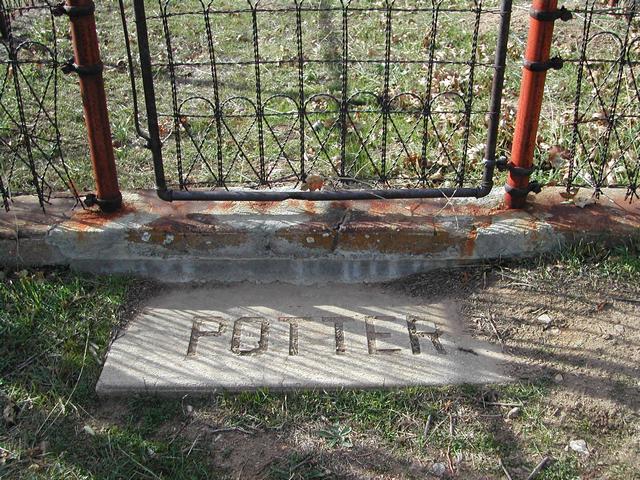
(146, 236)
(559, 378)
(188, 410)
(168, 239)
(9, 414)
(311, 240)
(438, 469)
(89, 431)
(554, 331)
(545, 319)
(579, 446)
(513, 413)
(618, 329)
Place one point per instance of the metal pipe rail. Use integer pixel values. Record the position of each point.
(154, 142)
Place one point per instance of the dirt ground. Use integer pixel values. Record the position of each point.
(574, 329)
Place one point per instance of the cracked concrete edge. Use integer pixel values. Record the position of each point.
(301, 242)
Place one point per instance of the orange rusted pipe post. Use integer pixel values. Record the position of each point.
(88, 65)
(536, 63)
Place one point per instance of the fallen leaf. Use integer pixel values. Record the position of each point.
(558, 156)
(314, 183)
(9, 413)
(36, 454)
(600, 117)
(513, 413)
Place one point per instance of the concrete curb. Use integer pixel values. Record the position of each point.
(302, 242)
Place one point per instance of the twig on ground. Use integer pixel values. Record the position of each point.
(506, 472)
(304, 461)
(541, 466)
(505, 404)
(230, 429)
(427, 426)
(180, 430)
(150, 472)
(449, 460)
(29, 360)
(451, 429)
(495, 330)
(268, 464)
(194, 444)
(451, 432)
(627, 300)
(438, 425)
(63, 406)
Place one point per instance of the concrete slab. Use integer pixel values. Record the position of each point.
(278, 336)
(303, 242)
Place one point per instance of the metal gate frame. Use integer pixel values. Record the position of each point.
(154, 143)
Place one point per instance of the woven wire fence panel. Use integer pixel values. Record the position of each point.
(40, 109)
(286, 94)
(590, 126)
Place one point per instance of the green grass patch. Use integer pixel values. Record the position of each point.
(55, 327)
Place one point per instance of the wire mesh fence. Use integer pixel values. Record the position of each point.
(32, 150)
(324, 93)
(319, 94)
(591, 122)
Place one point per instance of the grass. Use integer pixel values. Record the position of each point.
(56, 326)
(322, 40)
(621, 261)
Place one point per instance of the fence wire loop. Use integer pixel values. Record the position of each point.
(322, 98)
(32, 156)
(607, 100)
(315, 109)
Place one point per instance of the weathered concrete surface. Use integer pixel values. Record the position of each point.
(301, 242)
(238, 337)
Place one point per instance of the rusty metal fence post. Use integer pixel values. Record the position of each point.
(88, 66)
(537, 62)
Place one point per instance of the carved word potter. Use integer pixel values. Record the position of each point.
(204, 327)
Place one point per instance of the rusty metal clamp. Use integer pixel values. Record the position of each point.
(534, 187)
(85, 70)
(546, 16)
(73, 11)
(555, 63)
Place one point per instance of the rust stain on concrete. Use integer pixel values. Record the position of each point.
(402, 240)
(313, 235)
(192, 231)
(88, 219)
(395, 233)
(569, 218)
(470, 244)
